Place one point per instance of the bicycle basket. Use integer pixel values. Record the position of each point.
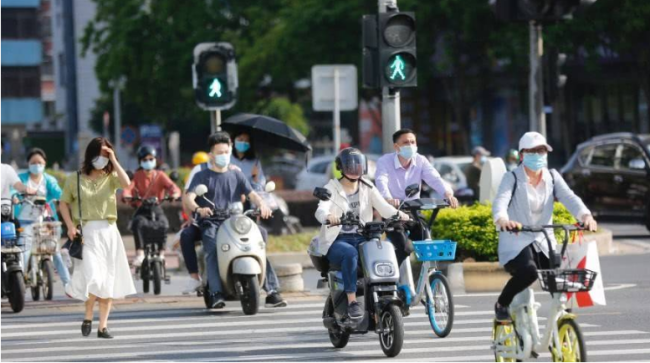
(570, 280)
(438, 250)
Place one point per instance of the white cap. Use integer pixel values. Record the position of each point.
(531, 140)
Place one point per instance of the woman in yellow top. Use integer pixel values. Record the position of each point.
(103, 273)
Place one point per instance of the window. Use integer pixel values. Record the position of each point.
(21, 82)
(18, 23)
(584, 155)
(631, 158)
(320, 168)
(604, 156)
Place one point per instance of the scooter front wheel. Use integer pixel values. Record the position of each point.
(157, 277)
(391, 337)
(47, 271)
(250, 298)
(17, 294)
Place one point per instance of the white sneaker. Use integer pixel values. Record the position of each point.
(192, 286)
(137, 262)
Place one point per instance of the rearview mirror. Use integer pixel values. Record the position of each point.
(270, 186)
(412, 190)
(200, 190)
(322, 194)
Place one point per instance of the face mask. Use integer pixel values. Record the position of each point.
(408, 151)
(100, 162)
(148, 164)
(242, 146)
(36, 168)
(222, 160)
(483, 159)
(535, 162)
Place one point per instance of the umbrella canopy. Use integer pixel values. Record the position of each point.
(267, 131)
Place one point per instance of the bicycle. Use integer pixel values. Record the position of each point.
(435, 296)
(520, 339)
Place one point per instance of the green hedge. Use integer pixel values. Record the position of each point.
(472, 227)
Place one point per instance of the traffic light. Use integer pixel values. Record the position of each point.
(397, 65)
(215, 76)
(539, 10)
(555, 79)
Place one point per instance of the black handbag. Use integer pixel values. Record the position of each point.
(76, 246)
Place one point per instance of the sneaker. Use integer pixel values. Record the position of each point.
(501, 313)
(192, 286)
(275, 300)
(355, 311)
(137, 261)
(218, 302)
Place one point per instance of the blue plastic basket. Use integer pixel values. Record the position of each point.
(437, 250)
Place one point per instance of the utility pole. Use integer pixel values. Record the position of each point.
(390, 100)
(536, 79)
(117, 111)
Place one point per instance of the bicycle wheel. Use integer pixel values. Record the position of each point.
(572, 344)
(48, 279)
(501, 338)
(441, 309)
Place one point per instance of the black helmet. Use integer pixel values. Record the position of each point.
(351, 163)
(145, 150)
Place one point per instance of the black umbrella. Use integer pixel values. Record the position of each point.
(268, 131)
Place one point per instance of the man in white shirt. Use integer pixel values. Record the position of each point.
(10, 179)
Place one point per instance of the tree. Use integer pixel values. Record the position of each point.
(284, 110)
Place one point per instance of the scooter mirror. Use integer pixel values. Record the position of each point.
(200, 190)
(270, 186)
(412, 190)
(322, 194)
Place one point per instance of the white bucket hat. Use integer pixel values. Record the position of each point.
(533, 139)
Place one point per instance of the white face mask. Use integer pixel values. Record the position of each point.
(100, 162)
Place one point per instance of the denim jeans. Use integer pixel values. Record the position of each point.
(344, 252)
(59, 265)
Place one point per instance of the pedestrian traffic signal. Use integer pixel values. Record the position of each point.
(554, 77)
(397, 49)
(538, 10)
(215, 76)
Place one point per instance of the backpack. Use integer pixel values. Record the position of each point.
(514, 187)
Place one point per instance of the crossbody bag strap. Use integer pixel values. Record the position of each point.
(146, 193)
(79, 197)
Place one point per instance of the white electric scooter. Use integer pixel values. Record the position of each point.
(241, 253)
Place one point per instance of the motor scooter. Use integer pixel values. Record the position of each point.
(13, 281)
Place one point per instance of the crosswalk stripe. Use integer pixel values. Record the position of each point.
(419, 313)
(342, 353)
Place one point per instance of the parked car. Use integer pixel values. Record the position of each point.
(316, 173)
(451, 168)
(285, 168)
(611, 173)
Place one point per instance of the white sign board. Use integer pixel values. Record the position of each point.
(323, 87)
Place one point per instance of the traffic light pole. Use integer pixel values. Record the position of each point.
(535, 80)
(215, 121)
(390, 100)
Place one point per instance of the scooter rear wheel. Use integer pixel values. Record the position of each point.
(144, 274)
(157, 277)
(338, 338)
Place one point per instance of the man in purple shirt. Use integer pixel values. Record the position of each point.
(396, 171)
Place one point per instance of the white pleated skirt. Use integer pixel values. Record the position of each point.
(104, 270)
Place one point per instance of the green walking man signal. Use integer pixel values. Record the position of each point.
(215, 88)
(398, 68)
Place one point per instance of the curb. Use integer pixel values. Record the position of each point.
(287, 258)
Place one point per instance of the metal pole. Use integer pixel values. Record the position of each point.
(535, 80)
(217, 120)
(117, 117)
(337, 113)
(390, 105)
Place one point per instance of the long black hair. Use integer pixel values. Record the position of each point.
(93, 150)
(250, 153)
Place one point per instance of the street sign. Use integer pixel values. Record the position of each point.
(322, 80)
(334, 88)
(128, 135)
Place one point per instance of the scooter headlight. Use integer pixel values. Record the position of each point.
(384, 269)
(6, 210)
(242, 224)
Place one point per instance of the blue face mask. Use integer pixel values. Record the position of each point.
(36, 169)
(535, 162)
(148, 164)
(222, 160)
(242, 146)
(408, 151)
(483, 159)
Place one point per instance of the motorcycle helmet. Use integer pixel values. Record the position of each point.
(200, 157)
(145, 150)
(351, 163)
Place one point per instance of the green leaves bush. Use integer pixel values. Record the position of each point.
(473, 229)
